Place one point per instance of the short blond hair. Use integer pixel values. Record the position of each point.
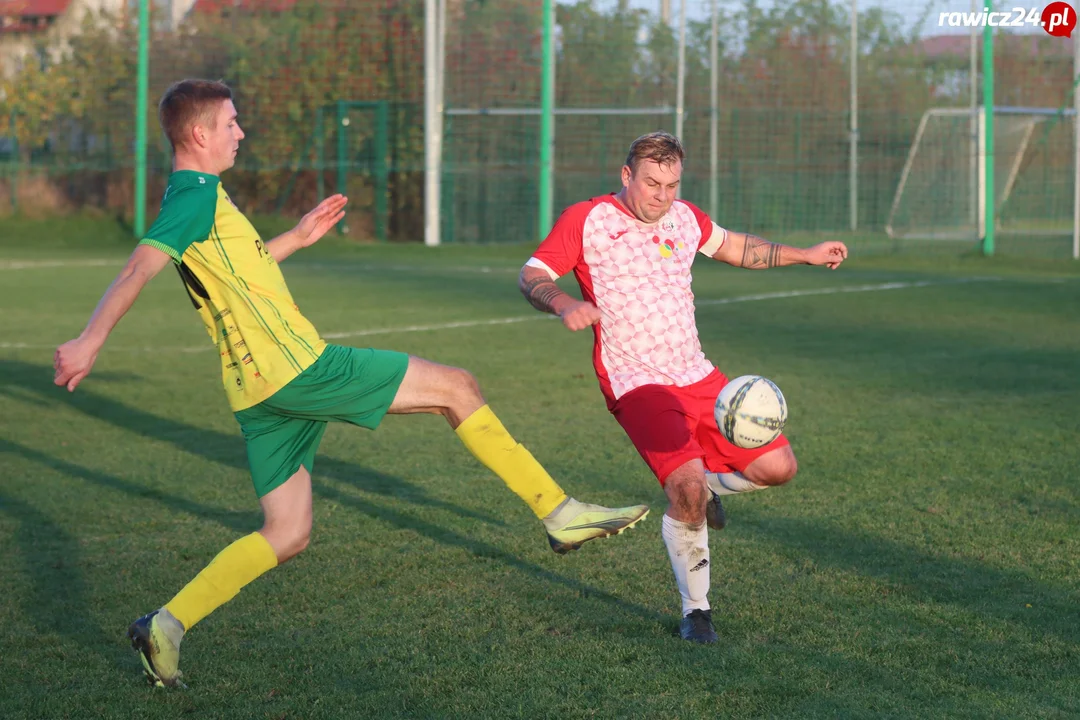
(660, 147)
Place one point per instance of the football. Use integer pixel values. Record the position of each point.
(751, 411)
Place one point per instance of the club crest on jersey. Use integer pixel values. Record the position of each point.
(668, 248)
(667, 225)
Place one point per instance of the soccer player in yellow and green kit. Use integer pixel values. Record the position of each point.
(283, 381)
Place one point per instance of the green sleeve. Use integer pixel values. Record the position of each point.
(186, 217)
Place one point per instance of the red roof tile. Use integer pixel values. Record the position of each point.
(46, 8)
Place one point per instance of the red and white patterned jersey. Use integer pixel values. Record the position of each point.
(638, 275)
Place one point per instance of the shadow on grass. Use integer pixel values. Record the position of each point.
(59, 601)
(229, 451)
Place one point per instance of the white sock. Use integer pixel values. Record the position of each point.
(731, 483)
(688, 549)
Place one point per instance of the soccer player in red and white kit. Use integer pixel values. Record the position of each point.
(631, 253)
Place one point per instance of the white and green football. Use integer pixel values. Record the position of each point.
(751, 411)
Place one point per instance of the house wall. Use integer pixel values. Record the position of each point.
(16, 46)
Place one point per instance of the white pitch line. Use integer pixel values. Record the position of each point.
(439, 326)
(837, 290)
(539, 316)
(316, 265)
(380, 267)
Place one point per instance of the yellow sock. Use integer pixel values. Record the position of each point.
(488, 440)
(220, 581)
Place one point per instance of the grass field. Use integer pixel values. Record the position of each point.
(922, 564)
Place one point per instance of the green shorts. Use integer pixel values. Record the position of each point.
(345, 384)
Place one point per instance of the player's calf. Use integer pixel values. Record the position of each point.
(455, 393)
(686, 537)
(688, 549)
(715, 516)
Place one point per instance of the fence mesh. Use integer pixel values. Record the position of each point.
(301, 67)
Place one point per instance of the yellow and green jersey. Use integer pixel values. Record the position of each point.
(237, 288)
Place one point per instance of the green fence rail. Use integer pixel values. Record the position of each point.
(330, 94)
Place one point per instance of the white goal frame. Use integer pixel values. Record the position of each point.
(977, 179)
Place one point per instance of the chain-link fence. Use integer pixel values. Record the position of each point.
(331, 96)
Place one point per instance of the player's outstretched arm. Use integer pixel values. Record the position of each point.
(74, 359)
(754, 253)
(310, 229)
(544, 295)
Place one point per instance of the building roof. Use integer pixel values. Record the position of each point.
(29, 16)
(34, 8)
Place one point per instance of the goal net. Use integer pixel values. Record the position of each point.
(941, 192)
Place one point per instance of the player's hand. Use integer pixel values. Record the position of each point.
(830, 254)
(580, 315)
(73, 361)
(318, 222)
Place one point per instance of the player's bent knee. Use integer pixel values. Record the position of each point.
(288, 539)
(293, 545)
(464, 393)
(301, 542)
(293, 550)
(776, 468)
(687, 492)
(466, 384)
(786, 467)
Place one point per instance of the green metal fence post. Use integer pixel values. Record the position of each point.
(320, 154)
(736, 184)
(342, 154)
(988, 122)
(547, 104)
(382, 189)
(142, 82)
(797, 196)
(13, 185)
(446, 195)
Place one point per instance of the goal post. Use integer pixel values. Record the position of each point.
(938, 197)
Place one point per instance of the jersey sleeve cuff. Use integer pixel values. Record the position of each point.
(533, 262)
(171, 252)
(715, 242)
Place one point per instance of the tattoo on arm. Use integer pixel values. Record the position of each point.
(541, 292)
(759, 253)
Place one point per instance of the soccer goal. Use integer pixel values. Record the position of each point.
(941, 194)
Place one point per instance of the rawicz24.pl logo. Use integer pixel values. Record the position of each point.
(1057, 18)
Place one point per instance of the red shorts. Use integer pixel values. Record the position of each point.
(670, 426)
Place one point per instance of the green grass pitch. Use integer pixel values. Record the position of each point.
(922, 564)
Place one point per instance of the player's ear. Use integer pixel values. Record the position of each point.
(198, 134)
(626, 173)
